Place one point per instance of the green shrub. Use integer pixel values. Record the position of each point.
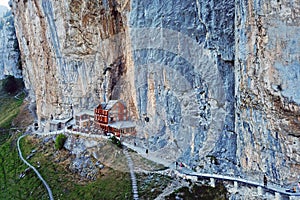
(115, 141)
(12, 85)
(60, 141)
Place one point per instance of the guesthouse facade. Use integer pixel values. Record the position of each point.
(113, 117)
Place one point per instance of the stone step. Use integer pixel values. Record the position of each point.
(132, 175)
(136, 196)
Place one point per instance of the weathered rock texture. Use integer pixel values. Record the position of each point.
(215, 79)
(9, 48)
(267, 77)
(3, 10)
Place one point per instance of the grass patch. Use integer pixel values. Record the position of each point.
(143, 163)
(201, 192)
(111, 184)
(12, 187)
(151, 186)
(9, 107)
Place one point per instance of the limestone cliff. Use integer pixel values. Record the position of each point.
(9, 48)
(216, 79)
(3, 10)
(267, 80)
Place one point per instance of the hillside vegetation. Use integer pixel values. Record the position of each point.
(19, 182)
(11, 99)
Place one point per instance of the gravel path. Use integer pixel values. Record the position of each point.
(33, 168)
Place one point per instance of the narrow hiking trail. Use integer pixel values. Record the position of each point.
(34, 169)
(132, 174)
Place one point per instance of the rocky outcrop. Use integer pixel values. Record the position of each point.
(81, 161)
(75, 43)
(3, 10)
(209, 83)
(267, 75)
(9, 48)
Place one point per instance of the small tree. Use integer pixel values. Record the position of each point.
(60, 141)
(12, 85)
(116, 141)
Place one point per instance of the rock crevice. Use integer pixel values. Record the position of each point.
(213, 79)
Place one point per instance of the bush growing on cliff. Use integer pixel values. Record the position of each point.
(12, 85)
(60, 141)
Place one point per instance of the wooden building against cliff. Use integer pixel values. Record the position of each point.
(84, 118)
(59, 124)
(113, 117)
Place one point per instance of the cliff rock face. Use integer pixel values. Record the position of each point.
(9, 48)
(267, 77)
(67, 48)
(3, 10)
(215, 79)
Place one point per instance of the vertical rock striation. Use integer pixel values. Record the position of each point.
(211, 83)
(9, 48)
(183, 57)
(67, 47)
(267, 77)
